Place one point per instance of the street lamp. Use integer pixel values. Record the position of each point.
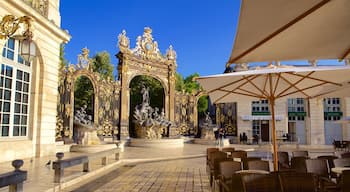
(9, 25)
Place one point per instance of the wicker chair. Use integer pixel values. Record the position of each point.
(345, 155)
(342, 162)
(300, 154)
(216, 158)
(298, 164)
(209, 153)
(245, 161)
(297, 182)
(330, 162)
(254, 182)
(283, 160)
(320, 168)
(226, 170)
(258, 165)
(344, 183)
(239, 154)
(228, 150)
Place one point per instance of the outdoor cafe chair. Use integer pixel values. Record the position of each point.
(258, 165)
(226, 170)
(228, 150)
(344, 182)
(330, 162)
(283, 160)
(298, 164)
(209, 154)
(245, 161)
(297, 182)
(300, 153)
(345, 155)
(216, 158)
(255, 182)
(320, 168)
(342, 162)
(239, 154)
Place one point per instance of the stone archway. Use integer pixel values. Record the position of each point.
(145, 59)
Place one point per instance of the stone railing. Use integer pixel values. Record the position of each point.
(15, 178)
(40, 6)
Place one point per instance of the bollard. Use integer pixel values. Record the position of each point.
(20, 176)
(58, 170)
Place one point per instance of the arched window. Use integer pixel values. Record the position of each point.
(15, 78)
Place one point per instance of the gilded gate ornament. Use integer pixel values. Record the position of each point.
(106, 98)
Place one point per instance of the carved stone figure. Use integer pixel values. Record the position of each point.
(145, 95)
(123, 40)
(81, 116)
(171, 54)
(83, 59)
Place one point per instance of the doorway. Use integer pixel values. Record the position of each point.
(265, 131)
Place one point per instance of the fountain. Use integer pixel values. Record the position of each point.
(85, 135)
(152, 129)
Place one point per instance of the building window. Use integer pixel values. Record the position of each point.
(256, 127)
(260, 106)
(15, 80)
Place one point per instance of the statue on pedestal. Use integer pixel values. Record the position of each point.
(149, 124)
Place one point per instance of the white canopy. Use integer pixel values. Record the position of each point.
(279, 30)
(304, 82)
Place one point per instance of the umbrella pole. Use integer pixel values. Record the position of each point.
(274, 140)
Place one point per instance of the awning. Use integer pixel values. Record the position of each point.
(279, 30)
(261, 117)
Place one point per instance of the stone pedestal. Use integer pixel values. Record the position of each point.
(86, 135)
(208, 132)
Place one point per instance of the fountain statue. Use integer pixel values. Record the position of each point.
(84, 132)
(149, 124)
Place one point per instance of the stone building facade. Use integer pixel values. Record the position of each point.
(29, 93)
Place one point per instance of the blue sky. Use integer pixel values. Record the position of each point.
(201, 31)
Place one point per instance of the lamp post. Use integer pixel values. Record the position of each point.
(9, 25)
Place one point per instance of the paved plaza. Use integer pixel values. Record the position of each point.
(139, 169)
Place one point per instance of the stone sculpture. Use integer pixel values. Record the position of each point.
(149, 124)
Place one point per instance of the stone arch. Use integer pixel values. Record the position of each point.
(145, 59)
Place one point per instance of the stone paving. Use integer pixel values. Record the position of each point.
(166, 176)
(140, 169)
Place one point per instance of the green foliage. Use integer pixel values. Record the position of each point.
(84, 94)
(179, 82)
(202, 106)
(190, 84)
(101, 63)
(63, 60)
(156, 91)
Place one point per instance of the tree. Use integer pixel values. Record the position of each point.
(101, 63)
(179, 82)
(188, 85)
(84, 94)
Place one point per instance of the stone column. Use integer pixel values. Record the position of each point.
(315, 122)
(345, 107)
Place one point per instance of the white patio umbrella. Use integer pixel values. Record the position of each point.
(274, 83)
(280, 30)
